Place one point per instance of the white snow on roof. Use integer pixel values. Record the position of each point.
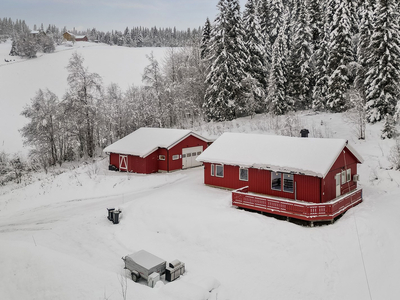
(311, 156)
(145, 140)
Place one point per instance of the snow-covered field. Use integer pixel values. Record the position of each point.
(20, 79)
(56, 242)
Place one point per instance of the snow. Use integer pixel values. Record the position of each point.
(20, 79)
(145, 140)
(311, 156)
(57, 243)
(145, 259)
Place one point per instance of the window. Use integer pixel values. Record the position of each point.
(288, 183)
(183, 155)
(161, 157)
(219, 170)
(244, 174)
(175, 157)
(344, 177)
(276, 181)
(189, 154)
(348, 175)
(198, 153)
(212, 169)
(194, 154)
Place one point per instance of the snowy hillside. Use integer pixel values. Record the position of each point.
(20, 79)
(56, 242)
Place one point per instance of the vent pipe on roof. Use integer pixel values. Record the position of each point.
(304, 133)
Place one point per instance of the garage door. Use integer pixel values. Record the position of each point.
(189, 156)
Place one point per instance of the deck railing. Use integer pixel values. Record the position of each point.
(296, 209)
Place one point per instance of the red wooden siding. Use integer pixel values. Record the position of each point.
(137, 164)
(190, 141)
(163, 164)
(346, 160)
(307, 187)
(152, 164)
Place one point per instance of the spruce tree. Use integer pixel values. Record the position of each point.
(205, 39)
(257, 66)
(363, 46)
(277, 100)
(300, 74)
(340, 55)
(382, 78)
(276, 11)
(320, 90)
(225, 93)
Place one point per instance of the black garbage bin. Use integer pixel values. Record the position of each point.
(110, 213)
(116, 214)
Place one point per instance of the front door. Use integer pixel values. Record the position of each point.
(337, 178)
(123, 163)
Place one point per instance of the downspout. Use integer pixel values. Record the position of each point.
(167, 160)
(295, 190)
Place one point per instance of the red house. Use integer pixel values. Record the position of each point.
(149, 150)
(303, 178)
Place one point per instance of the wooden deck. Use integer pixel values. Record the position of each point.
(297, 209)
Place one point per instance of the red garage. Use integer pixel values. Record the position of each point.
(149, 150)
(304, 178)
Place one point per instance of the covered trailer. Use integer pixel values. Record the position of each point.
(143, 264)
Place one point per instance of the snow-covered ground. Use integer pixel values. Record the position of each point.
(56, 242)
(20, 79)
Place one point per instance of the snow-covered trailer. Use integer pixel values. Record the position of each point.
(150, 150)
(311, 179)
(143, 264)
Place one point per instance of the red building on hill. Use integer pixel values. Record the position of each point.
(303, 178)
(149, 150)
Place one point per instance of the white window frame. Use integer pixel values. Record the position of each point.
(175, 157)
(247, 174)
(348, 171)
(161, 157)
(280, 174)
(343, 177)
(283, 185)
(216, 171)
(212, 170)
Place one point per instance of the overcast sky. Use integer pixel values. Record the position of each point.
(106, 15)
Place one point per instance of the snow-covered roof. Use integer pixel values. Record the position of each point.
(146, 140)
(310, 156)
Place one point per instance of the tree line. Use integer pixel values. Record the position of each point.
(137, 36)
(287, 55)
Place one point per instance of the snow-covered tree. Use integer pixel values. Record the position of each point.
(205, 39)
(320, 90)
(257, 65)
(277, 100)
(340, 56)
(224, 98)
(80, 102)
(382, 78)
(299, 69)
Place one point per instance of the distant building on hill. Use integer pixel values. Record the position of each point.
(68, 36)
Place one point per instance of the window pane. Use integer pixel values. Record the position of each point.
(348, 175)
(220, 171)
(189, 154)
(194, 154)
(212, 169)
(288, 185)
(243, 174)
(344, 177)
(276, 181)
